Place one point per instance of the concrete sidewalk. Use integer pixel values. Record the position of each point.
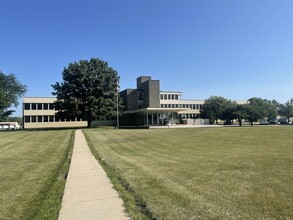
(89, 194)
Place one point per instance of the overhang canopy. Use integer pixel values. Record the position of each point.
(150, 110)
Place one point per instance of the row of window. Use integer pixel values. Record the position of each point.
(169, 96)
(38, 106)
(48, 118)
(188, 116)
(192, 106)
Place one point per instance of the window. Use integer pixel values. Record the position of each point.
(162, 97)
(27, 106)
(40, 106)
(40, 119)
(46, 118)
(34, 118)
(140, 96)
(165, 96)
(27, 119)
(51, 118)
(34, 106)
(173, 97)
(51, 106)
(169, 97)
(176, 97)
(162, 106)
(46, 106)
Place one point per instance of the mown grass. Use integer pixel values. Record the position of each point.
(33, 165)
(202, 173)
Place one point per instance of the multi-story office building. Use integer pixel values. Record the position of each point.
(147, 105)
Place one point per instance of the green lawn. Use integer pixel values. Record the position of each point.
(32, 164)
(203, 173)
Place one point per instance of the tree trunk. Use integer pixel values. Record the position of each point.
(240, 122)
(89, 123)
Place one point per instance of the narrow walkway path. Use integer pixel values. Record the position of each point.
(89, 194)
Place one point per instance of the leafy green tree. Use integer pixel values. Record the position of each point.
(286, 109)
(235, 112)
(10, 91)
(272, 109)
(213, 108)
(88, 90)
(227, 115)
(240, 113)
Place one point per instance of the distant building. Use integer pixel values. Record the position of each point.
(147, 105)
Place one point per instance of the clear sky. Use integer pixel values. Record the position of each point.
(236, 49)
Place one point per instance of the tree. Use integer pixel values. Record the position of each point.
(286, 109)
(235, 111)
(213, 107)
(88, 90)
(272, 109)
(10, 91)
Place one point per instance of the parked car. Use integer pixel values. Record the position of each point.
(273, 121)
(284, 121)
(263, 122)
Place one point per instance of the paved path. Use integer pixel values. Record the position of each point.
(89, 194)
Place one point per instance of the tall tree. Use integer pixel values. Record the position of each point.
(286, 109)
(88, 90)
(10, 91)
(213, 107)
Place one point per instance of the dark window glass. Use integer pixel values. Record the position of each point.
(34, 106)
(162, 97)
(46, 106)
(140, 96)
(51, 118)
(40, 107)
(169, 96)
(51, 106)
(27, 106)
(34, 118)
(176, 97)
(40, 119)
(46, 118)
(27, 119)
(165, 96)
(173, 97)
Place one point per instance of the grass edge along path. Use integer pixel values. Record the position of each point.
(52, 192)
(134, 205)
(205, 173)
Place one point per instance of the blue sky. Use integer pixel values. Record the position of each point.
(236, 49)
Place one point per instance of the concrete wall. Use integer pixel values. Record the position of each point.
(153, 94)
(129, 97)
(63, 124)
(140, 80)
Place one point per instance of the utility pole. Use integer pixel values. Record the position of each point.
(117, 105)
